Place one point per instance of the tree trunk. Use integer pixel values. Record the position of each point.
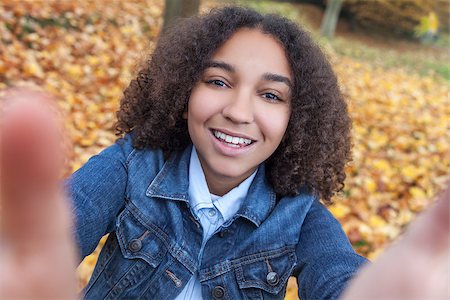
(330, 19)
(179, 9)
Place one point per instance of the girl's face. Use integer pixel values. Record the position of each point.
(239, 110)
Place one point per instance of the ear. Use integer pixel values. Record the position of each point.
(185, 115)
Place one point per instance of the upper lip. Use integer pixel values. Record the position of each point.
(234, 134)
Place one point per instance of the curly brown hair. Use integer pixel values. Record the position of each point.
(316, 146)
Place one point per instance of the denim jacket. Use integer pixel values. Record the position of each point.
(154, 241)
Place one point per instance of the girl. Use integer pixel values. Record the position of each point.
(233, 131)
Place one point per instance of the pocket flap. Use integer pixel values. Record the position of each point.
(137, 240)
(268, 271)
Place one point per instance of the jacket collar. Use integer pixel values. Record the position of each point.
(172, 183)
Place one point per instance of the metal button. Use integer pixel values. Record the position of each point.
(135, 245)
(218, 292)
(272, 278)
(211, 212)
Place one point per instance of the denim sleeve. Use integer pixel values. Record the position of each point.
(97, 191)
(326, 259)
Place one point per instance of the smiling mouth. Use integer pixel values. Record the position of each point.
(231, 141)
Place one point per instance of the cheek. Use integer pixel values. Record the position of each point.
(273, 124)
(202, 105)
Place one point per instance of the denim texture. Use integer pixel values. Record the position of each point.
(154, 242)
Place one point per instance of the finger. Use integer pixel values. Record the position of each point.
(430, 233)
(31, 162)
(37, 250)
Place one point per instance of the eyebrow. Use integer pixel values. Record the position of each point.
(277, 78)
(220, 65)
(266, 76)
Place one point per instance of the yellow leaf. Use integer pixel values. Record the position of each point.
(92, 60)
(103, 240)
(100, 73)
(404, 217)
(339, 210)
(376, 222)
(88, 140)
(32, 68)
(370, 185)
(90, 260)
(291, 290)
(410, 172)
(433, 22)
(75, 166)
(417, 192)
(381, 165)
(377, 139)
(74, 71)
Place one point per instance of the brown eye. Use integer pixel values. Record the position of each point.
(217, 82)
(272, 97)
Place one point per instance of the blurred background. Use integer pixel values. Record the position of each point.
(392, 59)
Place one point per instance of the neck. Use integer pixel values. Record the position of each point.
(220, 185)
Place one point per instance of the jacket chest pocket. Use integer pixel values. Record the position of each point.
(136, 241)
(265, 276)
(133, 265)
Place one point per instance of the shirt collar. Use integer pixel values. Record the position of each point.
(200, 197)
(172, 183)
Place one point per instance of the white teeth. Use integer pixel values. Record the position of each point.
(233, 141)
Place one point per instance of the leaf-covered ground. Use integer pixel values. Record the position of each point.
(86, 52)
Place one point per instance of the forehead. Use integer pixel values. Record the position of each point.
(252, 49)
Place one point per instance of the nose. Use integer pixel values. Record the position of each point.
(239, 109)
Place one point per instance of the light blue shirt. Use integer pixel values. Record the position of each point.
(211, 210)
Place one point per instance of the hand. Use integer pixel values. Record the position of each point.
(416, 267)
(37, 255)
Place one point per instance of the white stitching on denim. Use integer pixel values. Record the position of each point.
(144, 235)
(174, 278)
(269, 267)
